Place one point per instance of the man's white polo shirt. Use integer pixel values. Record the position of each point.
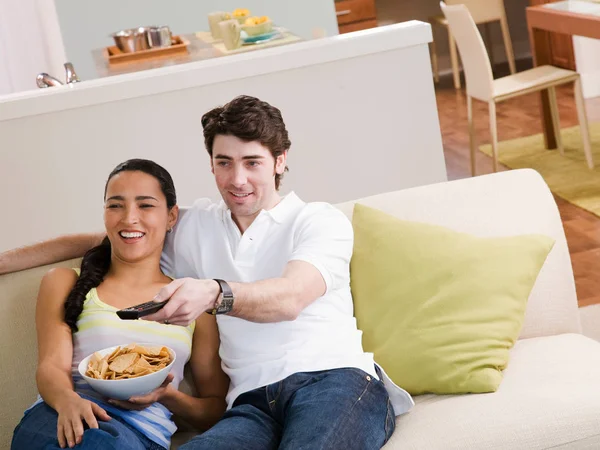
(206, 243)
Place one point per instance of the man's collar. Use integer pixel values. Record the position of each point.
(288, 204)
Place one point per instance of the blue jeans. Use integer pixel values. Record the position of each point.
(37, 430)
(332, 409)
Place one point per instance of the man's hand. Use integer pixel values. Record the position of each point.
(188, 299)
(144, 401)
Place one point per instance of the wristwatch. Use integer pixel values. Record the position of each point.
(226, 299)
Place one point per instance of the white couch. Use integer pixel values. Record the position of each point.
(550, 395)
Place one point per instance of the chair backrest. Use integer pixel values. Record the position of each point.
(476, 63)
(482, 11)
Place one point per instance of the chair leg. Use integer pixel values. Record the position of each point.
(555, 119)
(494, 133)
(471, 135)
(454, 59)
(510, 56)
(583, 123)
(434, 62)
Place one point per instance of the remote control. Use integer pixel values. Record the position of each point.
(143, 309)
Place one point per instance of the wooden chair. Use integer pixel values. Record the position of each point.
(483, 12)
(482, 86)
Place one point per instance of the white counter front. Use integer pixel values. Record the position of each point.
(360, 109)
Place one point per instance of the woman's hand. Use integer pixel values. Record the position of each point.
(144, 401)
(72, 412)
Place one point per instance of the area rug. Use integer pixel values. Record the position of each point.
(590, 321)
(568, 176)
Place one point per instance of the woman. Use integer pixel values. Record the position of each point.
(76, 315)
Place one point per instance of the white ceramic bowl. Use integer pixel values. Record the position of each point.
(257, 30)
(129, 387)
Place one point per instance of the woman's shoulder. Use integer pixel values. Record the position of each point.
(57, 273)
(60, 277)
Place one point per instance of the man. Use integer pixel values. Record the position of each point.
(275, 270)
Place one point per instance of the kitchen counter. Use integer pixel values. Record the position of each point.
(201, 47)
(209, 71)
(344, 98)
(197, 50)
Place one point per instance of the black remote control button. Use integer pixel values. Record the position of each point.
(141, 310)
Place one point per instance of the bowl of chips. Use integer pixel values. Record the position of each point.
(125, 371)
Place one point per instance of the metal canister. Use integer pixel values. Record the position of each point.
(131, 40)
(159, 36)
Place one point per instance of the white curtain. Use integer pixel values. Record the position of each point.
(30, 43)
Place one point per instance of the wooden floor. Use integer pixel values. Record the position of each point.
(517, 118)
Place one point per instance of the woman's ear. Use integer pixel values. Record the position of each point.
(173, 216)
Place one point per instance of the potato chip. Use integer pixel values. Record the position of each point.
(130, 361)
(122, 362)
(140, 366)
(96, 357)
(103, 368)
(114, 354)
(92, 366)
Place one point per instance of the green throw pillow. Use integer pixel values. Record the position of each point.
(438, 308)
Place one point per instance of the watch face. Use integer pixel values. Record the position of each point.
(226, 305)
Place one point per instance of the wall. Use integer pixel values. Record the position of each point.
(587, 61)
(87, 25)
(392, 11)
(30, 43)
(360, 110)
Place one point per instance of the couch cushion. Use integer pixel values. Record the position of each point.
(500, 204)
(549, 398)
(440, 309)
(18, 345)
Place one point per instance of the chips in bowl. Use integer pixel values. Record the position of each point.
(125, 371)
(130, 361)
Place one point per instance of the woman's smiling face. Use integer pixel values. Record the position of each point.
(136, 216)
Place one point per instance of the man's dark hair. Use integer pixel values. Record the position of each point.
(248, 119)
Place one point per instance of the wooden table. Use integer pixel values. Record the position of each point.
(574, 17)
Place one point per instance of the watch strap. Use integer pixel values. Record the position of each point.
(226, 303)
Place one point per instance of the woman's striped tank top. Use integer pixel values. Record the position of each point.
(99, 328)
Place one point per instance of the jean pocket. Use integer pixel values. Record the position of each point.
(390, 421)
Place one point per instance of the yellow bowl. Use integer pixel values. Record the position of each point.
(256, 30)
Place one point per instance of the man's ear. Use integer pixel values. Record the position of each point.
(280, 163)
(212, 166)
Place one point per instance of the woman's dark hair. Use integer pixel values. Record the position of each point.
(248, 119)
(96, 262)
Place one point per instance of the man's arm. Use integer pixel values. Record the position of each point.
(320, 262)
(278, 299)
(270, 300)
(48, 252)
